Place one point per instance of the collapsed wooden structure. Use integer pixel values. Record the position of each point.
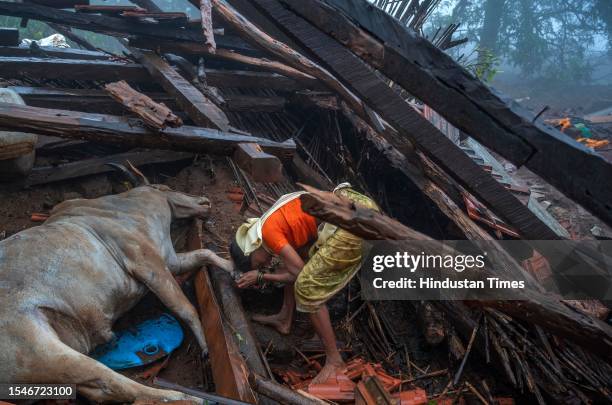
(247, 84)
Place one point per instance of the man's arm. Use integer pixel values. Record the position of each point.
(292, 262)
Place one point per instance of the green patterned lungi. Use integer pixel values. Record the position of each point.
(334, 260)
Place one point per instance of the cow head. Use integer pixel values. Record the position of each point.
(182, 205)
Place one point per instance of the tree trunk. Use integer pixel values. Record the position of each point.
(494, 10)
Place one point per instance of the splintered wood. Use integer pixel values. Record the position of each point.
(155, 115)
(207, 25)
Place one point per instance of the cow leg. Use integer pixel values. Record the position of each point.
(165, 287)
(196, 259)
(51, 361)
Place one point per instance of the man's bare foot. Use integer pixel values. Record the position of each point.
(278, 322)
(330, 369)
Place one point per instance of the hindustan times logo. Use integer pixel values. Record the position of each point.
(412, 263)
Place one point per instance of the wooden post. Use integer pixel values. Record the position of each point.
(230, 372)
(262, 166)
(207, 26)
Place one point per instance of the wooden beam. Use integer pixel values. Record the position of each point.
(536, 308)
(207, 25)
(163, 47)
(59, 3)
(432, 181)
(231, 304)
(258, 38)
(191, 100)
(96, 101)
(88, 167)
(96, 23)
(267, 65)
(262, 166)
(9, 36)
(154, 115)
(130, 133)
(413, 128)
(110, 25)
(99, 70)
(52, 52)
(248, 79)
(466, 102)
(109, 71)
(230, 372)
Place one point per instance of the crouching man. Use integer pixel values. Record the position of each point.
(317, 261)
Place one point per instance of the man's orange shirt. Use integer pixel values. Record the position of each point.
(289, 225)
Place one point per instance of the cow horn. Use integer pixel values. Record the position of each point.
(133, 179)
(138, 173)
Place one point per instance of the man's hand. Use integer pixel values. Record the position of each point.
(248, 279)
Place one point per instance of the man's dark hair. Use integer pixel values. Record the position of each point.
(242, 262)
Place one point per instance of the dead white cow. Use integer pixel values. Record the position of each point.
(63, 284)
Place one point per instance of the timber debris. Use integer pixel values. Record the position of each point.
(280, 91)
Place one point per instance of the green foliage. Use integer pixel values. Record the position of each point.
(486, 66)
(545, 39)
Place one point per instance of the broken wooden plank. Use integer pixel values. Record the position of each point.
(97, 101)
(9, 36)
(224, 287)
(230, 372)
(88, 167)
(410, 124)
(199, 108)
(432, 76)
(207, 25)
(262, 166)
(154, 115)
(130, 133)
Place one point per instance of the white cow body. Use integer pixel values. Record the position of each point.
(63, 284)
